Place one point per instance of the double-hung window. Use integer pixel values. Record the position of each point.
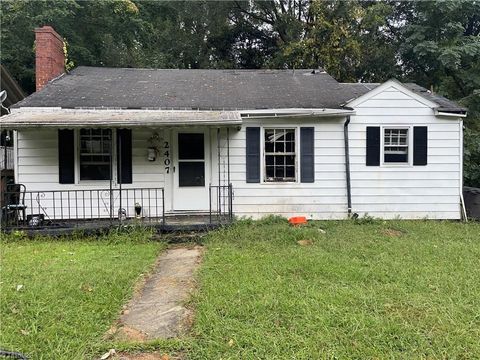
(95, 154)
(395, 145)
(279, 155)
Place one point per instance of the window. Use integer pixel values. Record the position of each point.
(95, 153)
(191, 159)
(280, 155)
(395, 146)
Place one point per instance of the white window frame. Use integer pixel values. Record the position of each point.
(409, 129)
(263, 153)
(77, 160)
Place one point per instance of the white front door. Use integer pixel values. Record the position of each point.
(191, 170)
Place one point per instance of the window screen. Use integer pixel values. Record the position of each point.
(95, 146)
(280, 162)
(395, 145)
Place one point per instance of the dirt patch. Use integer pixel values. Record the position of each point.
(305, 242)
(126, 333)
(392, 232)
(144, 356)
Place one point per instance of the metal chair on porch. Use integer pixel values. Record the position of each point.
(14, 204)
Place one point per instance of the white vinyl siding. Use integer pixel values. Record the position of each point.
(38, 162)
(407, 192)
(323, 199)
(37, 168)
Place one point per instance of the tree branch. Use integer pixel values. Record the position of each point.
(253, 15)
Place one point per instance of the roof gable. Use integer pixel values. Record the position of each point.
(391, 84)
(416, 92)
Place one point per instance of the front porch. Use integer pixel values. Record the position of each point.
(97, 210)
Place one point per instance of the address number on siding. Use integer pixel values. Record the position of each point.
(166, 156)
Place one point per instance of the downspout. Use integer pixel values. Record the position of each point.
(462, 200)
(347, 166)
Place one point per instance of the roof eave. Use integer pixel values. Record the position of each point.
(69, 118)
(453, 112)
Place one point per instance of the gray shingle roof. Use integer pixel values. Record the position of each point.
(193, 89)
(443, 103)
(99, 87)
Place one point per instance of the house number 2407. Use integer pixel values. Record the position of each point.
(166, 156)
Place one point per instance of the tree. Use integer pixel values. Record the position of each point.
(441, 50)
(98, 33)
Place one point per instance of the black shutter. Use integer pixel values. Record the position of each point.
(253, 155)
(66, 156)
(124, 156)
(420, 145)
(373, 146)
(307, 155)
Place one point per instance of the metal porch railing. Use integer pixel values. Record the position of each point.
(35, 209)
(221, 203)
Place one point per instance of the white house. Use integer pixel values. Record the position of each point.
(249, 142)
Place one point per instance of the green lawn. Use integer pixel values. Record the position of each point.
(69, 292)
(396, 289)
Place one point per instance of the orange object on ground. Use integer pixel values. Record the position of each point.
(297, 220)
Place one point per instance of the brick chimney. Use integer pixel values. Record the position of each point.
(49, 56)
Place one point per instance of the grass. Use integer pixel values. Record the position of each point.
(366, 289)
(398, 289)
(58, 297)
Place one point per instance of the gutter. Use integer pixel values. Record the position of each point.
(347, 166)
(457, 114)
(294, 112)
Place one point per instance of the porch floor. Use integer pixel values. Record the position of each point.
(171, 223)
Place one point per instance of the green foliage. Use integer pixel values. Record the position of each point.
(471, 166)
(365, 219)
(344, 37)
(441, 50)
(271, 220)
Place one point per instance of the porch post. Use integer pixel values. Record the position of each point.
(228, 155)
(228, 175)
(119, 167)
(111, 176)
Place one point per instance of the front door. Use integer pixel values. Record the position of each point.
(191, 171)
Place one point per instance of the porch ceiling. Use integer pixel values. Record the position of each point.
(71, 118)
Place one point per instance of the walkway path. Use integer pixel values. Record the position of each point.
(159, 311)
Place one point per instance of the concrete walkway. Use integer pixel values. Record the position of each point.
(158, 311)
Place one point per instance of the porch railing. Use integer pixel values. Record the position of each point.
(67, 207)
(221, 201)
